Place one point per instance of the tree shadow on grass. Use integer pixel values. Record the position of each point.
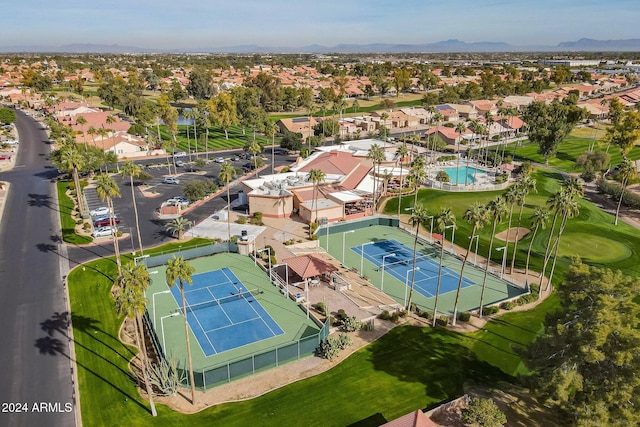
(434, 357)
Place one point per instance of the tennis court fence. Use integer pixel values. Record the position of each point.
(161, 258)
(225, 372)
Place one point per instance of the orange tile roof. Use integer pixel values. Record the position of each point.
(310, 265)
(333, 162)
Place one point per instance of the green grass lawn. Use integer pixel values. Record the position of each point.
(569, 151)
(217, 139)
(616, 247)
(66, 205)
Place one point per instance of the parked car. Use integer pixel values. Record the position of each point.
(219, 159)
(101, 211)
(102, 232)
(179, 163)
(180, 154)
(170, 180)
(5, 157)
(182, 201)
(105, 221)
(235, 158)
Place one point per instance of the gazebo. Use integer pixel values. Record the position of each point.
(310, 269)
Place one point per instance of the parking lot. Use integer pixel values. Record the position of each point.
(151, 227)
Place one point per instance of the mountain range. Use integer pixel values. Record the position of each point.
(447, 46)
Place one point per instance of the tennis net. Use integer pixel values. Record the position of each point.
(409, 261)
(247, 295)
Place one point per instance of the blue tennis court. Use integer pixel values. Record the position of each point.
(398, 261)
(223, 313)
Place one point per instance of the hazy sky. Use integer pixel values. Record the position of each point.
(192, 24)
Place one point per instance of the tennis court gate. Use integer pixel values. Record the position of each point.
(266, 359)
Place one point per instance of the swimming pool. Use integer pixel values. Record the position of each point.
(464, 175)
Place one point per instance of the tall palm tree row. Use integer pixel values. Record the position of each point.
(131, 302)
(226, 175)
(401, 152)
(179, 271)
(107, 189)
(477, 216)
(376, 153)
(496, 209)
(461, 128)
(132, 170)
(539, 220)
(526, 185)
(443, 219)
(316, 176)
(417, 176)
(418, 217)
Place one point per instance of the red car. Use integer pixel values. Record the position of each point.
(104, 222)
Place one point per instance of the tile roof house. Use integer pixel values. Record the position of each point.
(416, 418)
(448, 135)
(303, 125)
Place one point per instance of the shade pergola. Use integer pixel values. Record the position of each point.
(309, 266)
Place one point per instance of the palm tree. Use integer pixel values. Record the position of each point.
(526, 185)
(254, 148)
(511, 197)
(496, 209)
(376, 153)
(110, 120)
(131, 302)
(72, 160)
(445, 218)
(384, 117)
(460, 129)
(477, 216)
(270, 130)
(489, 119)
(418, 176)
(418, 217)
(316, 176)
(180, 271)
(132, 170)
(554, 202)
(401, 152)
(178, 225)
(107, 189)
(82, 121)
(539, 219)
(226, 175)
(626, 171)
(192, 114)
(93, 132)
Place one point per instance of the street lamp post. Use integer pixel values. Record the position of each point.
(362, 257)
(504, 258)
(406, 283)
(475, 257)
(153, 304)
(453, 235)
(174, 314)
(343, 234)
(382, 280)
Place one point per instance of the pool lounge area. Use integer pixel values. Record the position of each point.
(464, 177)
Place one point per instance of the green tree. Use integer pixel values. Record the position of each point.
(587, 360)
(181, 271)
(226, 175)
(483, 413)
(132, 170)
(253, 148)
(549, 124)
(69, 159)
(496, 209)
(223, 111)
(178, 225)
(316, 176)
(417, 176)
(512, 196)
(443, 219)
(131, 302)
(7, 115)
(625, 132)
(477, 216)
(200, 83)
(419, 217)
(626, 172)
(107, 189)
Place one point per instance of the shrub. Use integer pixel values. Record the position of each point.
(445, 158)
(351, 324)
(442, 176)
(443, 320)
(285, 169)
(465, 316)
(526, 299)
(314, 237)
(534, 288)
(321, 307)
(78, 221)
(488, 311)
(342, 314)
(385, 315)
(241, 220)
(507, 305)
(328, 348)
(344, 341)
(425, 314)
(274, 261)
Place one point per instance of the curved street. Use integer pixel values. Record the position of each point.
(36, 383)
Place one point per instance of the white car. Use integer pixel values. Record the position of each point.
(180, 154)
(102, 232)
(171, 180)
(103, 210)
(219, 159)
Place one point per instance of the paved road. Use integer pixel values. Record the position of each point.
(35, 357)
